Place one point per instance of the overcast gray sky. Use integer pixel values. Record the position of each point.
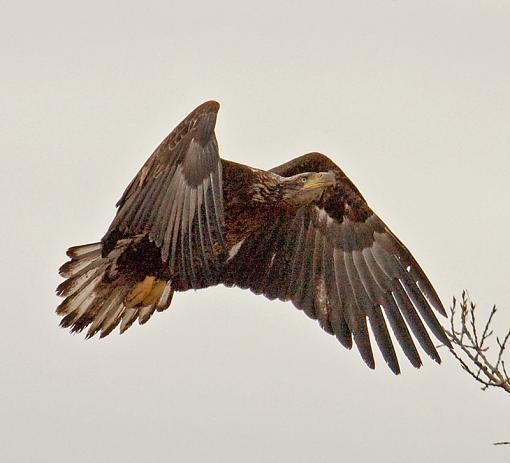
(410, 98)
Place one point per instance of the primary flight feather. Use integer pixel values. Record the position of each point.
(301, 232)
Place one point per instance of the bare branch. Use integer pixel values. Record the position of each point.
(471, 350)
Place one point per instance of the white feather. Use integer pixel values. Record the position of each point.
(128, 317)
(146, 313)
(235, 249)
(113, 317)
(75, 283)
(163, 300)
(78, 251)
(73, 302)
(112, 301)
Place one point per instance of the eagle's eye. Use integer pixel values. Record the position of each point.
(303, 180)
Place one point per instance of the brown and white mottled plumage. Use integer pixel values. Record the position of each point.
(300, 232)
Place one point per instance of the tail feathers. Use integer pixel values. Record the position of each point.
(100, 303)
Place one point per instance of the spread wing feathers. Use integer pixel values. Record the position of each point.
(340, 264)
(95, 293)
(176, 199)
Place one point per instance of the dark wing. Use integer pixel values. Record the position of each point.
(176, 199)
(340, 264)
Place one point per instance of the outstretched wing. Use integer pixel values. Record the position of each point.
(176, 200)
(340, 264)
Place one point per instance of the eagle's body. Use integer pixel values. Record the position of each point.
(300, 232)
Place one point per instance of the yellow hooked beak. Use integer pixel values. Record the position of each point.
(320, 180)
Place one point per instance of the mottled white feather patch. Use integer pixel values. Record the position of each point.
(323, 215)
(321, 296)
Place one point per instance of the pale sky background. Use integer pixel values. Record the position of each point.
(410, 98)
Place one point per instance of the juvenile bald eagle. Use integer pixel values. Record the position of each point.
(300, 232)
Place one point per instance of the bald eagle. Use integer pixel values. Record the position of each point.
(300, 232)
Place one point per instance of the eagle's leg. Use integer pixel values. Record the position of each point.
(146, 292)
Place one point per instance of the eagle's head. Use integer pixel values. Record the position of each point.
(302, 189)
(296, 191)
